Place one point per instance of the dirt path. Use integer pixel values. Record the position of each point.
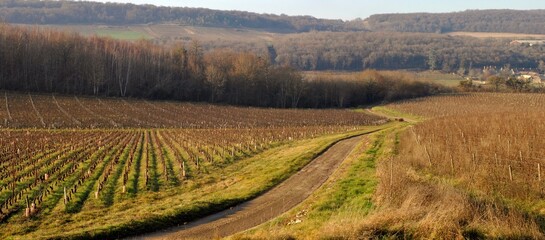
(267, 206)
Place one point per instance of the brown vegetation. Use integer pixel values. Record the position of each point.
(55, 111)
(473, 170)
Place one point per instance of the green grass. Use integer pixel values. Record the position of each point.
(345, 199)
(122, 34)
(223, 187)
(391, 113)
(446, 79)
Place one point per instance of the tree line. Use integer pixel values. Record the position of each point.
(72, 12)
(510, 21)
(47, 61)
(355, 51)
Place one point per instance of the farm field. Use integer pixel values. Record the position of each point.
(467, 165)
(168, 32)
(498, 35)
(446, 79)
(474, 166)
(52, 112)
(99, 168)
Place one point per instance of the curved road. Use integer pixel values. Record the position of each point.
(267, 206)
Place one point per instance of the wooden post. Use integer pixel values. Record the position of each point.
(391, 172)
(27, 210)
(539, 172)
(451, 165)
(510, 173)
(32, 209)
(65, 197)
(496, 158)
(508, 148)
(183, 169)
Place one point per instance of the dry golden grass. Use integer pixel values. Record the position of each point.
(468, 104)
(474, 169)
(423, 193)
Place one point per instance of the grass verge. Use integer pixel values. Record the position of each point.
(345, 199)
(390, 113)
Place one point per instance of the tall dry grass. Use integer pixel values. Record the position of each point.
(476, 172)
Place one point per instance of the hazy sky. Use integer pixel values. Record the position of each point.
(346, 9)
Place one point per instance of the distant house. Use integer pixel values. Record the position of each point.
(528, 42)
(534, 77)
(476, 80)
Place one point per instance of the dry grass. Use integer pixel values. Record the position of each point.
(468, 104)
(451, 178)
(422, 194)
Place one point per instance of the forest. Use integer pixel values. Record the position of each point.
(71, 12)
(82, 12)
(48, 61)
(384, 42)
(511, 21)
(356, 51)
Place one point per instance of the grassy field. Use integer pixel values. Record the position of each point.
(169, 33)
(116, 32)
(447, 79)
(128, 34)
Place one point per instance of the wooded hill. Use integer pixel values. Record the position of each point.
(69, 12)
(509, 21)
(319, 44)
(355, 51)
(81, 12)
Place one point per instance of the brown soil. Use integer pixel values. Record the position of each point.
(267, 206)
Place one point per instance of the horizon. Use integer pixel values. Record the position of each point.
(338, 10)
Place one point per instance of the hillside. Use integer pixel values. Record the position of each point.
(510, 21)
(116, 14)
(69, 12)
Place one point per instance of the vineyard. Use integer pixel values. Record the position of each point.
(465, 104)
(491, 142)
(488, 145)
(74, 160)
(54, 112)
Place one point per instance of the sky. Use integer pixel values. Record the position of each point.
(345, 9)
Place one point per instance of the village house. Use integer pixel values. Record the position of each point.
(534, 77)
